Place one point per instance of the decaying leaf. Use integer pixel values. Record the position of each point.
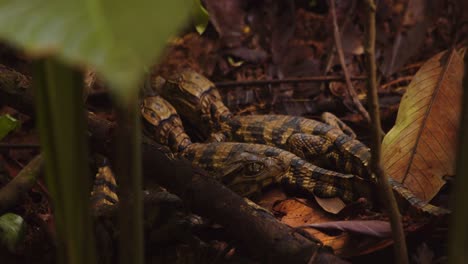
(373, 228)
(419, 150)
(299, 212)
(331, 205)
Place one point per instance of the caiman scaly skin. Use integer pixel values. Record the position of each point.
(245, 167)
(196, 98)
(105, 188)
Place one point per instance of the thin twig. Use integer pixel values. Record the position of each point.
(401, 254)
(332, 49)
(414, 66)
(288, 80)
(339, 48)
(11, 193)
(399, 80)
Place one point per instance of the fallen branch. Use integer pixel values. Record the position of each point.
(11, 193)
(259, 234)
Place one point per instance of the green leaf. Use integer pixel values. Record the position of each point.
(200, 17)
(7, 124)
(12, 230)
(116, 37)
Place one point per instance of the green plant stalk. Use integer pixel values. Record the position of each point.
(458, 228)
(128, 171)
(401, 254)
(62, 132)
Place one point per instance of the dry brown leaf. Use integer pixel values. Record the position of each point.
(332, 205)
(373, 228)
(299, 212)
(419, 151)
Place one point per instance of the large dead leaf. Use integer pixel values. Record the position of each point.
(419, 151)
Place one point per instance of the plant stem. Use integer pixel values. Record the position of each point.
(61, 122)
(459, 228)
(339, 48)
(128, 172)
(401, 255)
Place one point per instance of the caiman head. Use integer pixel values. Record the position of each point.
(248, 173)
(195, 98)
(163, 124)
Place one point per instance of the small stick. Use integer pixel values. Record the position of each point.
(332, 49)
(339, 48)
(401, 79)
(401, 253)
(288, 80)
(11, 193)
(412, 66)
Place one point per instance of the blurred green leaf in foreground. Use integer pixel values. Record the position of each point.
(7, 124)
(12, 230)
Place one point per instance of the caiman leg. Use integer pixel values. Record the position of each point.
(323, 152)
(309, 147)
(332, 120)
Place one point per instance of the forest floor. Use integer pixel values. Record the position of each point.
(271, 40)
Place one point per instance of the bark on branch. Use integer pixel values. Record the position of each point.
(11, 193)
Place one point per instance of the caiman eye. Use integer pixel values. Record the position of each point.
(253, 168)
